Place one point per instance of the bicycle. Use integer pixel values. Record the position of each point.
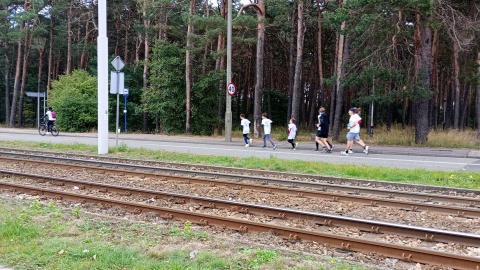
(43, 128)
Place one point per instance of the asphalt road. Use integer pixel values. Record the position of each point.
(391, 157)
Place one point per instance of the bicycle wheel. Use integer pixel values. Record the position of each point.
(42, 130)
(55, 130)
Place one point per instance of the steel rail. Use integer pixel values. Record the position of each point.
(405, 253)
(320, 219)
(344, 183)
(468, 212)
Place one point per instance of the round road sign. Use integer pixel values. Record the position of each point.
(231, 89)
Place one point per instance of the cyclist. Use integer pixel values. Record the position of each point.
(52, 116)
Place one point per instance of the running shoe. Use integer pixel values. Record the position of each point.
(274, 147)
(296, 144)
(246, 145)
(264, 146)
(345, 153)
(250, 141)
(365, 150)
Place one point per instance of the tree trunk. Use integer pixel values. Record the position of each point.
(435, 86)
(478, 97)
(7, 88)
(26, 54)
(126, 52)
(297, 81)
(219, 67)
(69, 39)
(339, 87)
(449, 105)
(50, 56)
(16, 83)
(188, 76)
(257, 110)
(313, 105)
(422, 96)
(146, 24)
(41, 51)
(83, 57)
(465, 104)
(290, 64)
(456, 70)
(205, 49)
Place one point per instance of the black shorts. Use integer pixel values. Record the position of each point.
(321, 134)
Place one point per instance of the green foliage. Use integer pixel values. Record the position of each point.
(204, 104)
(74, 99)
(165, 96)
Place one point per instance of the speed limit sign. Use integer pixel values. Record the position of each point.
(231, 89)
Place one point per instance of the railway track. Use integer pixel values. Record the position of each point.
(259, 176)
(316, 219)
(405, 253)
(464, 206)
(279, 214)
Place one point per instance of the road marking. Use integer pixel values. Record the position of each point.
(296, 153)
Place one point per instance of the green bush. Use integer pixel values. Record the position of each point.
(74, 99)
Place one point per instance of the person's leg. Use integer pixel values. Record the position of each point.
(49, 125)
(350, 145)
(324, 142)
(291, 142)
(361, 143)
(318, 141)
(264, 141)
(270, 139)
(331, 145)
(350, 137)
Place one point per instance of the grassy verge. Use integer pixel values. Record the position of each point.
(470, 180)
(38, 235)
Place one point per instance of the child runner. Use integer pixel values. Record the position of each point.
(354, 133)
(292, 133)
(267, 128)
(246, 129)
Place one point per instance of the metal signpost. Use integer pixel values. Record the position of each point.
(117, 82)
(125, 95)
(38, 95)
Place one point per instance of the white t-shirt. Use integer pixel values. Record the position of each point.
(267, 127)
(319, 128)
(354, 122)
(246, 126)
(292, 131)
(50, 117)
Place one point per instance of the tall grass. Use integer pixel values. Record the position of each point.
(398, 136)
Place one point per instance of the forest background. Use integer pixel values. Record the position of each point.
(407, 63)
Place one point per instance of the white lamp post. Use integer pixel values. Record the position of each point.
(102, 77)
(228, 112)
